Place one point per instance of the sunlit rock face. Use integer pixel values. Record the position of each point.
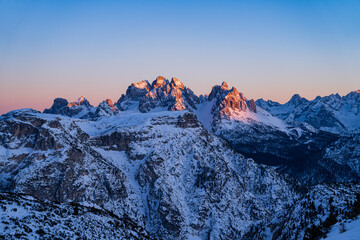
(137, 91)
(82, 101)
(251, 104)
(233, 100)
(106, 108)
(218, 91)
(161, 93)
(229, 102)
(79, 108)
(82, 108)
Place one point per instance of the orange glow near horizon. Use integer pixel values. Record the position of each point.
(39, 98)
(96, 49)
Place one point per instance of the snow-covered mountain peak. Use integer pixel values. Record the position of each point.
(80, 101)
(333, 113)
(229, 110)
(218, 91)
(109, 102)
(106, 108)
(173, 96)
(224, 86)
(159, 82)
(59, 102)
(144, 84)
(266, 103)
(233, 100)
(227, 101)
(235, 91)
(79, 108)
(136, 91)
(176, 83)
(354, 95)
(297, 100)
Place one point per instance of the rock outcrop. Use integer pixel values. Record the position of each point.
(80, 108)
(24, 217)
(106, 108)
(164, 171)
(228, 101)
(173, 95)
(333, 113)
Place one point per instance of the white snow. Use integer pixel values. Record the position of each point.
(248, 117)
(123, 120)
(352, 231)
(346, 111)
(6, 153)
(251, 118)
(203, 113)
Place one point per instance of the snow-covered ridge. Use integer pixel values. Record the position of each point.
(345, 230)
(319, 214)
(162, 169)
(173, 162)
(221, 104)
(333, 113)
(25, 217)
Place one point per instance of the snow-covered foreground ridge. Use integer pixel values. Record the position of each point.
(163, 170)
(23, 217)
(170, 164)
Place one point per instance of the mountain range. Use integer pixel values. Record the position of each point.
(162, 162)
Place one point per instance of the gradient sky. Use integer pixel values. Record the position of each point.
(268, 49)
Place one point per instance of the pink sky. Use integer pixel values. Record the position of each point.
(96, 49)
(41, 95)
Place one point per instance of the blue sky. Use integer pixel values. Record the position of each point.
(269, 49)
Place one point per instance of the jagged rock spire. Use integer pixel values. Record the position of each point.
(159, 82)
(63, 107)
(58, 103)
(106, 108)
(171, 95)
(224, 86)
(176, 83)
(160, 93)
(227, 101)
(80, 101)
(296, 99)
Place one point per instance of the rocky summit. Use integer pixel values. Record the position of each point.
(164, 163)
(162, 93)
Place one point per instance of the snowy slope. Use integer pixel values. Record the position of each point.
(225, 107)
(347, 230)
(333, 113)
(24, 217)
(162, 169)
(173, 163)
(246, 117)
(323, 208)
(262, 136)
